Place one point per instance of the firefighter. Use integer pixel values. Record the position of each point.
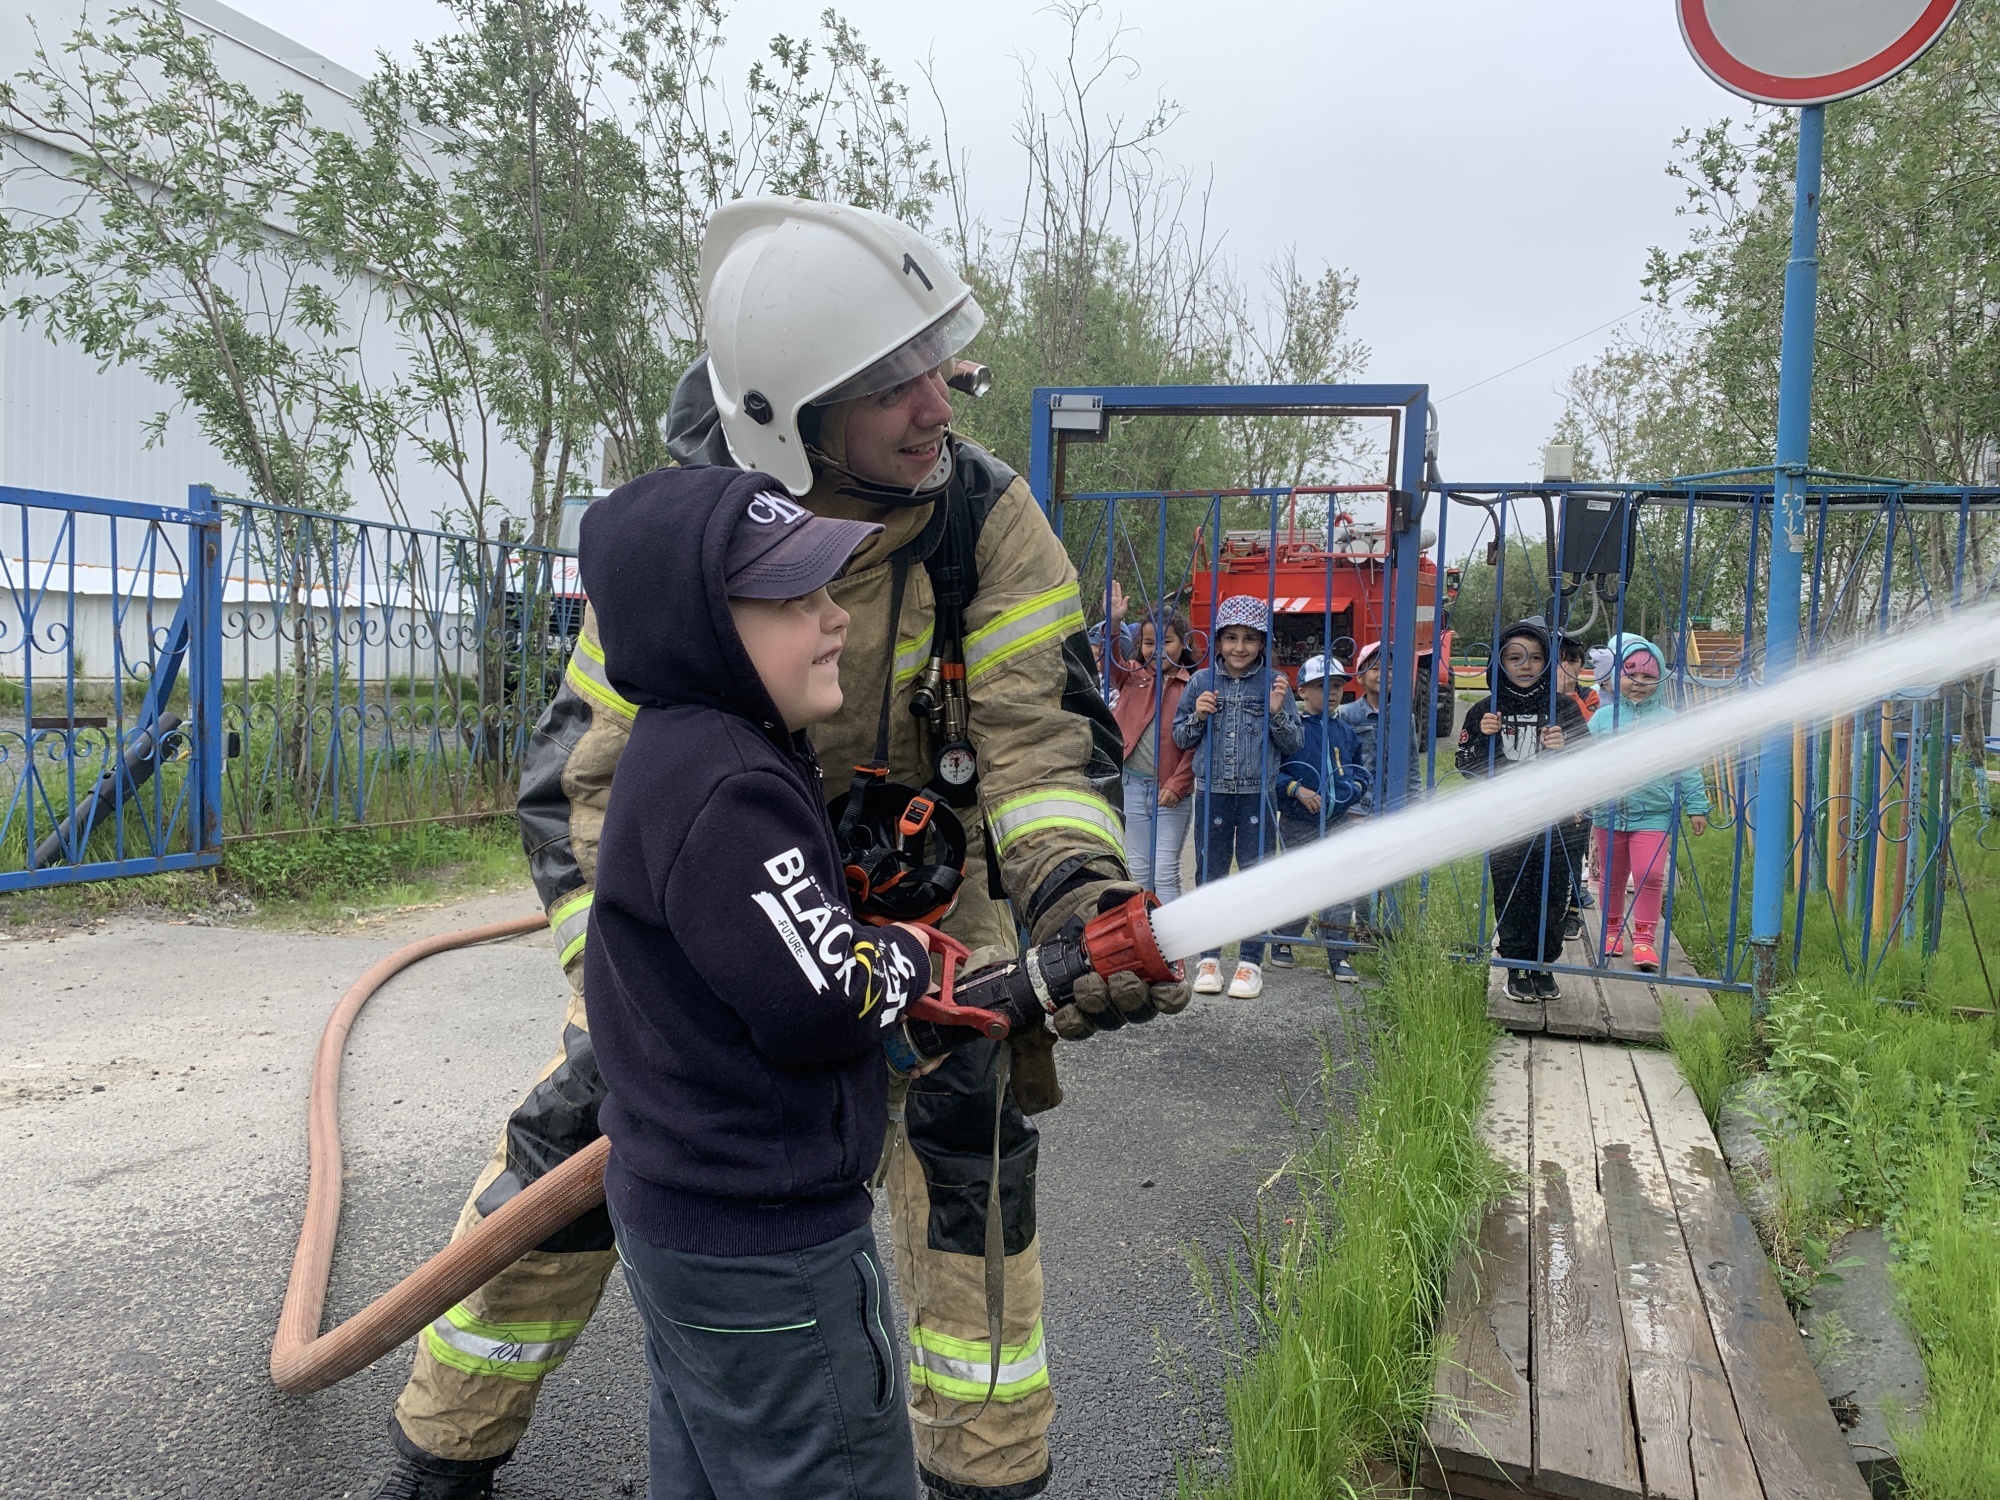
(829, 332)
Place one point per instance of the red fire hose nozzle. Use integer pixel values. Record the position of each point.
(1122, 938)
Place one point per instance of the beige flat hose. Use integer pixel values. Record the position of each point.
(303, 1358)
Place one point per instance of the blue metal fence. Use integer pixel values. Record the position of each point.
(1882, 809)
(174, 677)
(110, 693)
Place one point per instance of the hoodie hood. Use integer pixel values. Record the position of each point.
(1508, 698)
(695, 436)
(652, 556)
(1623, 648)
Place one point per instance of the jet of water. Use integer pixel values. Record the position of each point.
(1378, 852)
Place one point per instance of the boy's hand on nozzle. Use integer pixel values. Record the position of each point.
(1552, 736)
(1489, 723)
(1206, 704)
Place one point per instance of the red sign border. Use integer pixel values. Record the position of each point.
(1769, 88)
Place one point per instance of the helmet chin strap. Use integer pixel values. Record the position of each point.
(889, 494)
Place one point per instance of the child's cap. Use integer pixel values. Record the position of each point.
(1317, 668)
(1243, 609)
(781, 550)
(1367, 655)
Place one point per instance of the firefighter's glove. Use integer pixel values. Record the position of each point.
(1105, 1002)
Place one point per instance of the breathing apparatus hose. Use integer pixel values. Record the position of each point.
(303, 1358)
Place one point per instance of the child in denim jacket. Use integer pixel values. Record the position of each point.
(1240, 714)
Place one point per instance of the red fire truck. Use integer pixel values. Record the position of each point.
(1329, 591)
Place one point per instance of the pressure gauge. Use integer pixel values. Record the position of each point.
(956, 765)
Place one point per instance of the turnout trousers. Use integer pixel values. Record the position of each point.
(480, 1367)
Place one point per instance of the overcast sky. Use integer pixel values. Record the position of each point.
(1491, 172)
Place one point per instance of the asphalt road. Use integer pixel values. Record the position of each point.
(152, 1170)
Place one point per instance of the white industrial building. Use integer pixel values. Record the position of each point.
(69, 427)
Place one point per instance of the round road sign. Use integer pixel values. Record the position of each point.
(1809, 51)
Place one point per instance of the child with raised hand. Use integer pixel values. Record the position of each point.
(736, 1005)
(1238, 714)
(1635, 833)
(1524, 718)
(1318, 786)
(1158, 774)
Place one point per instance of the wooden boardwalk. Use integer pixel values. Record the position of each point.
(1596, 1006)
(1618, 1333)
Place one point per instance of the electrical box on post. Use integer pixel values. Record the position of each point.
(1600, 533)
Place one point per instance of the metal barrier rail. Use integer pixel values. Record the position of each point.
(379, 673)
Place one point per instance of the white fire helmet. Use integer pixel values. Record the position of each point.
(809, 302)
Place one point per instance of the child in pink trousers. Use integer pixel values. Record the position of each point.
(1635, 833)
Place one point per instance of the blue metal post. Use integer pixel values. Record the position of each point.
(1788, 555)
(1399, 643)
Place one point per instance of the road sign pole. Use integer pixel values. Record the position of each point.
(1774, 822)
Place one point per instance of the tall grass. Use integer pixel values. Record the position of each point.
(1333, 1316)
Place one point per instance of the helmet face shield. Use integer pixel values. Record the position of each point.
(924, 353)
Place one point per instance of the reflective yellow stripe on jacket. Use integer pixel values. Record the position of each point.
(513, 1351)
(960, 1368)
(911, 655)
(1047, 617)
(1056, 809)
(585, 673)
(569, 919)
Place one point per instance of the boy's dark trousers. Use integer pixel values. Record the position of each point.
(773, 1375)
(1235, 826)
(1530, 908)
(1295, 831)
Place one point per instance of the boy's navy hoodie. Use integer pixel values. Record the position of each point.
(736, 1005)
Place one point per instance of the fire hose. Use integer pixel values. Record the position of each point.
(989, 1004)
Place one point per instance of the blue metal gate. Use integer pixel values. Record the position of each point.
(1883, 808)
(110, 687)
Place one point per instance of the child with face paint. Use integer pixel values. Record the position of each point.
(1523, 718)
(1240, 719)
(1635, 833)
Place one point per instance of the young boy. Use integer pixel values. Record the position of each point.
(736, 1005)
(1244, 711)
(1318, 786)
(1521, 720)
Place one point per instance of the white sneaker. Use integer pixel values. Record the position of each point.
(1208, 977)
(1248, 983)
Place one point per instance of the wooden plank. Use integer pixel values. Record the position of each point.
(1799, 1451)
(1480, 1413)
(1691, 1445)
(1506, 1012)
(1580, 1012)
(1632, 1010)
(1582, 1392)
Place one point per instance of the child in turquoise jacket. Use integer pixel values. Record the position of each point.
(1635, 833)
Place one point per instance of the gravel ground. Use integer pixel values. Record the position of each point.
(152, 1170)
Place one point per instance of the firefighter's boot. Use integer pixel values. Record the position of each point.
(428, 1478)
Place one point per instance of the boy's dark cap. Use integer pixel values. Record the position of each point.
(781, 550)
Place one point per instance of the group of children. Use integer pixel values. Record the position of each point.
(1536, 706)
(1230, 743)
